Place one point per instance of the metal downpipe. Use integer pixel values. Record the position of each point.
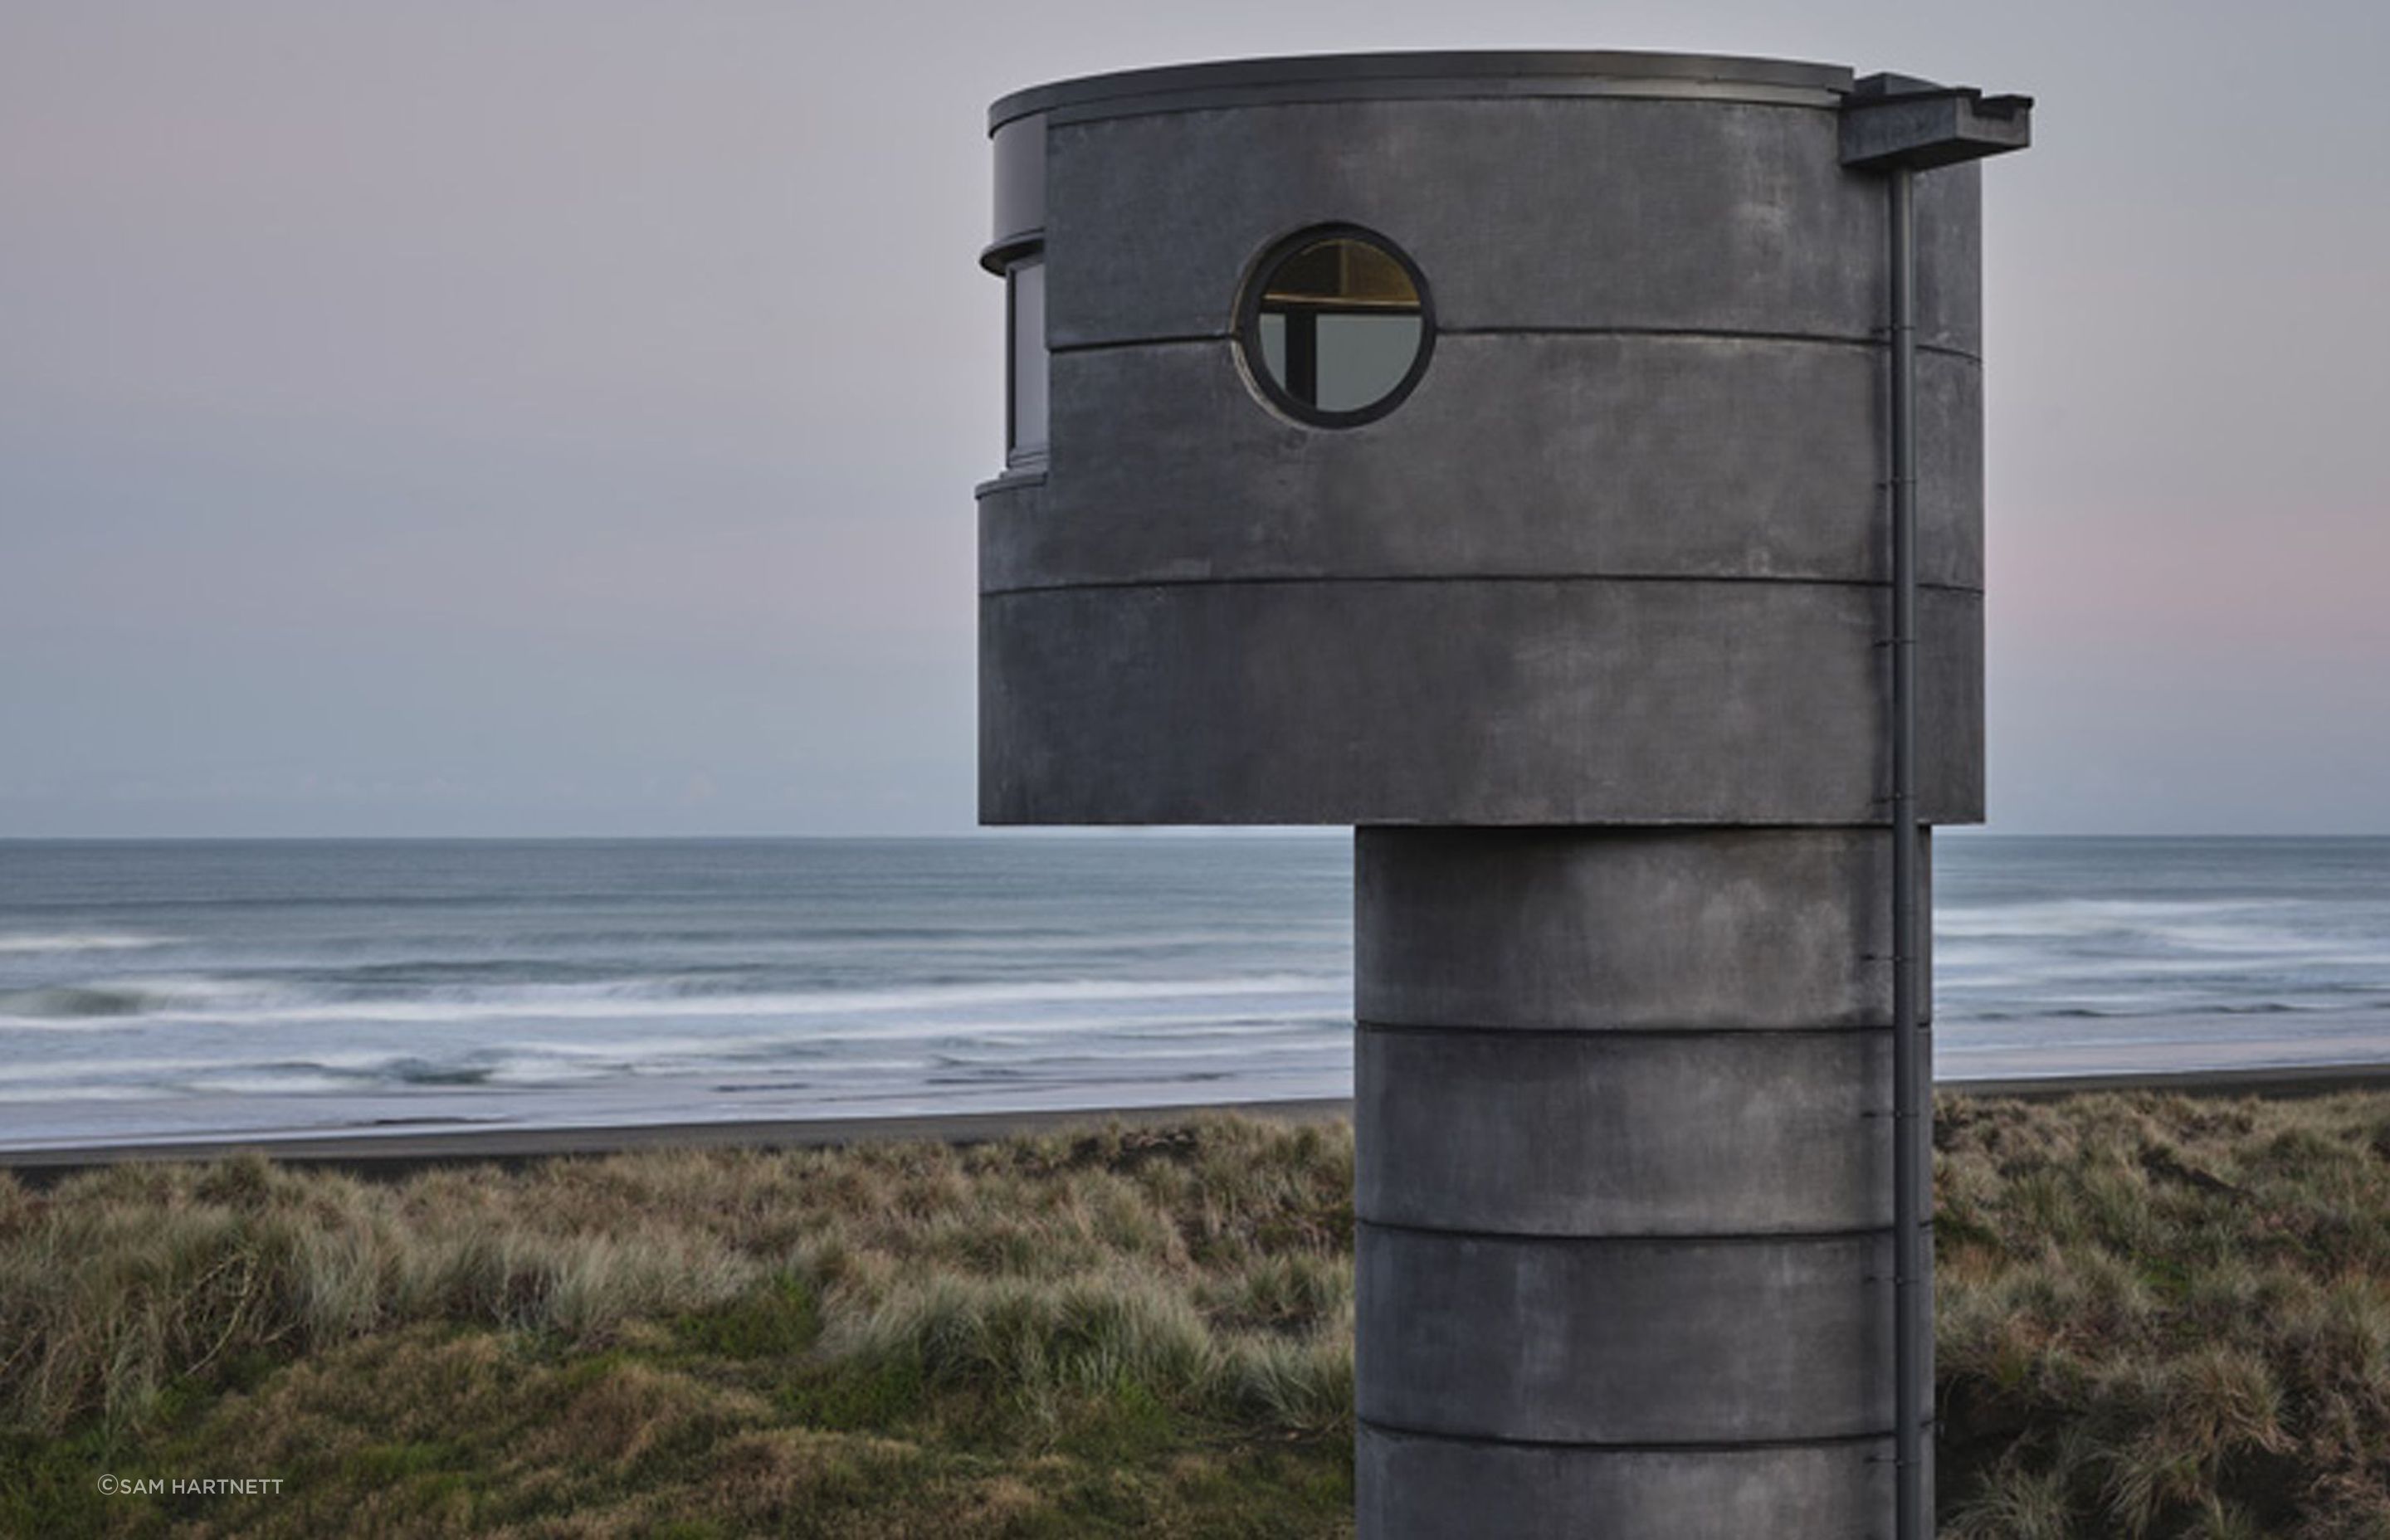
(1912, 1083)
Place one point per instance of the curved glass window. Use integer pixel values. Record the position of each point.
(1024, 336)
(1336, 327)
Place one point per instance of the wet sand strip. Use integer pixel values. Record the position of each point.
(396, 1152)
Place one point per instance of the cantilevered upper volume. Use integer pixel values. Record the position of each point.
(1466, 438)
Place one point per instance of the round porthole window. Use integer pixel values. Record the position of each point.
(1336, 327)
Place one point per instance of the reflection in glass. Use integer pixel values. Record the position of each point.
(1339, 325)
(1025, 341)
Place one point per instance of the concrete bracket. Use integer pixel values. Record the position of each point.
(1894, 121)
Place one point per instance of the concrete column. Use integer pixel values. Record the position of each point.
(1624, 1250)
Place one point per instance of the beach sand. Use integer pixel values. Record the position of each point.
(408, 1148)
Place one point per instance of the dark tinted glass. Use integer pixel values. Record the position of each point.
(1025, 329)
(1338, 327)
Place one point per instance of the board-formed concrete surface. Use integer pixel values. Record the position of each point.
(1526, 214)
(1433, 1489)
(1560, 1133)
(1601, 1340)
(1623, 1121)
(1611, 463)
(1524, 701)
(1619, 927)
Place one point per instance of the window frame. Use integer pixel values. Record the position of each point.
(1251, 359)
(1018, 455)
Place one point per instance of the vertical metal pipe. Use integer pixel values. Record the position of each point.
(1912, 1090)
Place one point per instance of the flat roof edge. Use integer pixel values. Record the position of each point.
(1502, 73)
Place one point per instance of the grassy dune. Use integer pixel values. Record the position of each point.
(2159, 1316)
(2164, 1317)
(1122, 1333)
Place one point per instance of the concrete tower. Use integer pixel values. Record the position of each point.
(1508, 455)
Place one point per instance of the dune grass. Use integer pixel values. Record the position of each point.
(1114, 1332)
(2158, 1316)
(2164, 1317)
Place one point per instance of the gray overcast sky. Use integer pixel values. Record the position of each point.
(560, 418)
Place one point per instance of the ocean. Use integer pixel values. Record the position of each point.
(170, 989)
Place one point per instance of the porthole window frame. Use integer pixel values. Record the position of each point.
(1247, 337)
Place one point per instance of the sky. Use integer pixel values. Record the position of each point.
(533, 418)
